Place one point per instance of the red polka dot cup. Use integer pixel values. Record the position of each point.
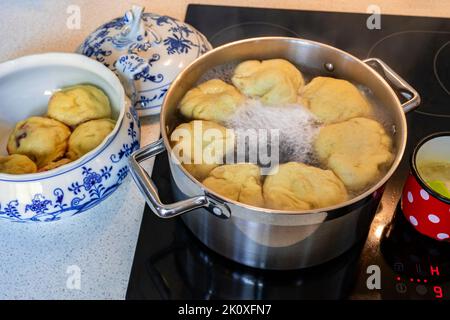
(427, 210)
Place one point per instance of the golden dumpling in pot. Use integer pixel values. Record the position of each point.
(334, 100)
(275, 82)
(77, 104)
(240, 182)
(357, 150)
(201, 146)
(87, 136)
(17, 164)
(297, 186)
(212, 100)
(42, 139)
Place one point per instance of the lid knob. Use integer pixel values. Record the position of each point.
(135, 31)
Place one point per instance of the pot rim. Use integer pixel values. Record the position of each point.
(265, 211)
(77, 61)
(415, 171)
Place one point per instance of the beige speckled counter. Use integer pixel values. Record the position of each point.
(31, 26)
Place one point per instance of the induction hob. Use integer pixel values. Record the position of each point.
(170, 263)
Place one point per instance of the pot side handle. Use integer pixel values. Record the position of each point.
(397, 83)
(149, 189)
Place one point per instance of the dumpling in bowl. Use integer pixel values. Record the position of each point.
(201, 146)
(275, 82)
(87, 136)
(356, 150)
(42, 139)
(297, 186)
(334, 100)
(213, 100)
(240, 182)
(17, 164)
(55, 164)
(77, 104)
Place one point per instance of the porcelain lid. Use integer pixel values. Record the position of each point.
(146, 51)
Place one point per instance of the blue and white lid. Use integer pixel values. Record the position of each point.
(147, 51)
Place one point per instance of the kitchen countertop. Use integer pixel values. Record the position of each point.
(30, 26)
(37, 261)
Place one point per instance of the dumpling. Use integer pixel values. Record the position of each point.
(43, 140)
(17, 164)
(297, 186)
(212, 100)
(240, 182)
(77, 104)
(356, 150)
(201, 146)
(87, 136)
(275, 82)
(334, 100)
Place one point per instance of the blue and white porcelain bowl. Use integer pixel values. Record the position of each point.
(147, 51)
(26, 85)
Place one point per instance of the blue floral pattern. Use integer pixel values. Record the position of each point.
(114, 44)
(94, 44)
(93, 187)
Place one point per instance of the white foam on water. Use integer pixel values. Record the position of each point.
(223, 72)
(297, 127)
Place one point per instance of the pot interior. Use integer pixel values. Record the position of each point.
(431, 163)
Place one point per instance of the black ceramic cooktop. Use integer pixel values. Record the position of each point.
(170, 263)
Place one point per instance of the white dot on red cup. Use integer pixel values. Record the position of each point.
(434, 218)
(410, 197)
(413, 220)
(442, 236)
(424, 195)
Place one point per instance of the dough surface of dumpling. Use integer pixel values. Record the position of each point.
(77, 104)
(43, 140)
(17, 164)
(213, 100)
(297, 186)
(240, 182)
(55, 164)
(356, 150)
(87, 136)
(275, 82)
(334, 100)
(213, 142)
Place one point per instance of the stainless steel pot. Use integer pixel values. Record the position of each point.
(266, 238)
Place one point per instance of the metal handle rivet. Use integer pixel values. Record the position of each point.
(217, 211)
(329, 66)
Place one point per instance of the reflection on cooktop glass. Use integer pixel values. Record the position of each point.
(394, 261)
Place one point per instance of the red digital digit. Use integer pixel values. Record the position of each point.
(438, 292)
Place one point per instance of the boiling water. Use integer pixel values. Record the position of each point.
(298, 127)
(295, 126)
(225, 73)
